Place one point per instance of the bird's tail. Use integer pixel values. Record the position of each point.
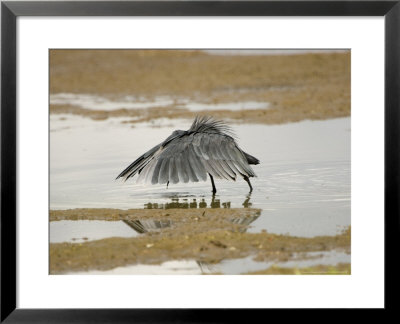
(251, 159)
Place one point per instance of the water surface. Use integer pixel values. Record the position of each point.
(302, 188)
(227, 267)
(96, 102)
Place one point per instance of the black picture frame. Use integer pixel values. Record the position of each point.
(9, 13)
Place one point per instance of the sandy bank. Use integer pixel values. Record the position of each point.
(298, 87)
(206, 235)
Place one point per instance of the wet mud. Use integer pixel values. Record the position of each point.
(339, 269)
(306, 86)
(204, 235)
(294, 87)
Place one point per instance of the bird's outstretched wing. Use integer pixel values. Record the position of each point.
(139, 163)
(207, 147)
(192, 156)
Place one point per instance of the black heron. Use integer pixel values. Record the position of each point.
(208, 147)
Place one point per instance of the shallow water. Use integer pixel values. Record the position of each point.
(95, 102)
(87, 230)
(302, 189)
(228, 267)
(303, 183)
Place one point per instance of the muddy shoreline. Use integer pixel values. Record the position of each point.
(291, 88)
(307, 86)
(203, 234)
(339, 269)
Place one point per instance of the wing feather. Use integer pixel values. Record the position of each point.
(211, 169)
(148, 174)
(188, 167)
(139, 163)
(235, 158)
(196, 164)
(183, 177)
(227, 169)
(156, 172)
(173, 172)
(189, 156)
(221, 159)
(239, 159)
(163, 176)
(204, 147)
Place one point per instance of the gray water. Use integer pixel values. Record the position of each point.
(228, 267)
(96, 102)
(87, 230)
(303, 184)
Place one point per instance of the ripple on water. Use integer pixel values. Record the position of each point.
(303, 184)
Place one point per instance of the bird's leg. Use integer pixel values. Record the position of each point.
(167, 184)
(248, 182)
(213, 184)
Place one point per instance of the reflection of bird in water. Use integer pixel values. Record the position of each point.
(208, 147)
(142, 226)
(149, 225)
(206, 267)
